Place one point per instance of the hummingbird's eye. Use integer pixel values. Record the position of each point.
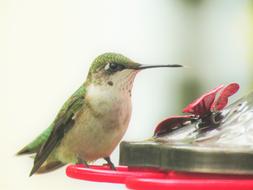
(114, 67)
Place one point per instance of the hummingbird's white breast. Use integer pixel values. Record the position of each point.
(102, 122)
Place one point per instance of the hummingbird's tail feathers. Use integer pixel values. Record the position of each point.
(49, 166)
(35, 145)
(24, 151)
(53, 140)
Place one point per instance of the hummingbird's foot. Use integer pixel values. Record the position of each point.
(81, 161)
(109, 162)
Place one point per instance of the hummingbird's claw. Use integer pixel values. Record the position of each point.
(81, 161)
(109, 162)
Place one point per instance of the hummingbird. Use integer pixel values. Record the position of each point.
(93, 120)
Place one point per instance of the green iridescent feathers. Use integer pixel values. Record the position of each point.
(106, 58)
(76, 98)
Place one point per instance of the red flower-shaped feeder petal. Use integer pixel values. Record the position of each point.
(200, 109)
(207, 102)
(202, 105)
(172, 123)
(222, 101)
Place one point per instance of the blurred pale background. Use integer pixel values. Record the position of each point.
(47, 47)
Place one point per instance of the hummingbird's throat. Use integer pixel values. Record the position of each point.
(111, 95)
(121, 81)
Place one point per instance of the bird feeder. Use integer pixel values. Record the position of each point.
(209, 147)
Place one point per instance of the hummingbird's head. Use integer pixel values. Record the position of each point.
(112, 69)
(115, 69)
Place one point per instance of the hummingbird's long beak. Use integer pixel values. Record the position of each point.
(141, 67)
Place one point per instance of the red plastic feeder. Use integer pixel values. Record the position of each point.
(105, 174)
(147, 179)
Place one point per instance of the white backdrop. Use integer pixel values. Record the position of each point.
(49, 45)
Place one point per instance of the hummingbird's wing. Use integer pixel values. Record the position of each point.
(63, 122)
